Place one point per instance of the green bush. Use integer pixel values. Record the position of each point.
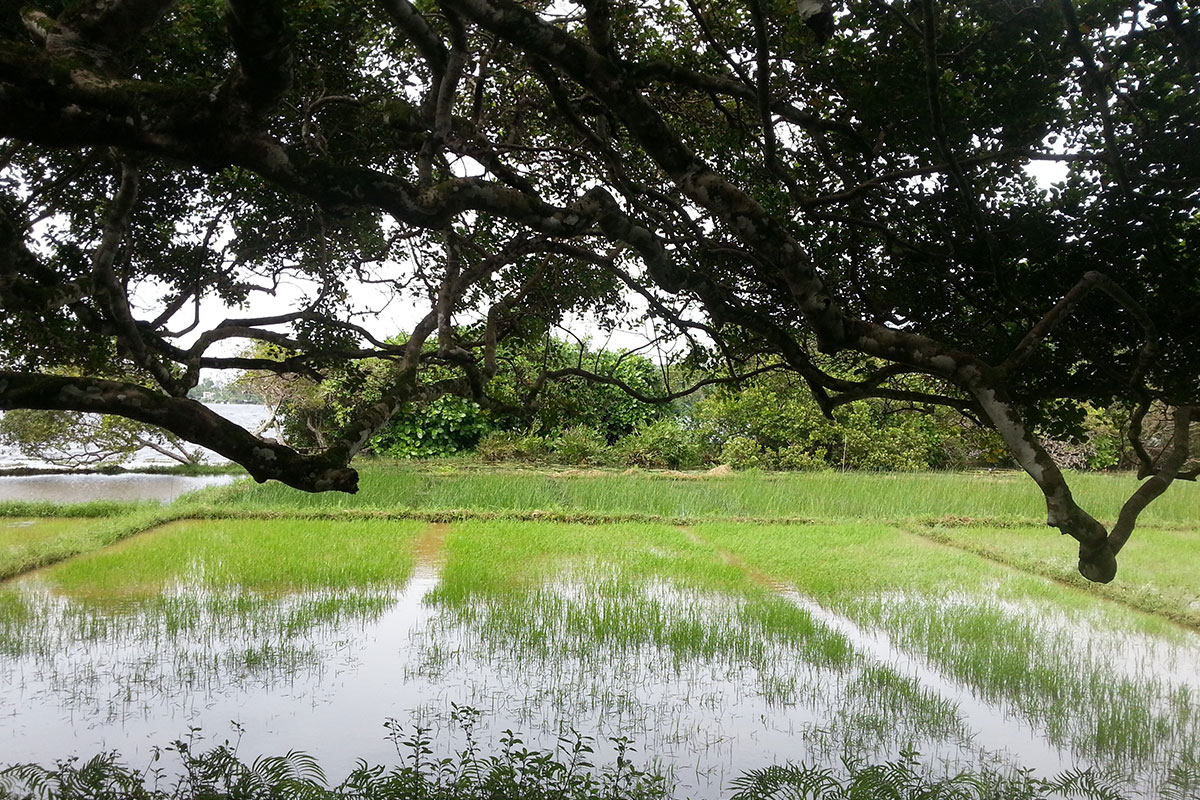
(520, 773)
(441, 427)
(906, 779)
(743, 452)
(798, 458)
(777, 414)
(664, 444)
(499, 446)
(580, 445)
(514, 773)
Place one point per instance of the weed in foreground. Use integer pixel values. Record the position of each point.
(514, 773)
(906, 779)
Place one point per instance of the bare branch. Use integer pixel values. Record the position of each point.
(1168, 471)
(1064, 307)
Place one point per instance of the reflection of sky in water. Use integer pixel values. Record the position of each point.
(321, 672)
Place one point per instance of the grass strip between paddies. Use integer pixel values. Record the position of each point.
(92, 509)
(1137, 597)
(101, 533)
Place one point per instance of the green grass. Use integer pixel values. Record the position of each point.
(1158, 568)
(91, 509)
(826, 495)
(54, 540)
(836, 560)
(17, 534)
(254, 554)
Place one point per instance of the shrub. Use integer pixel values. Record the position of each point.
(514, 773)
(440, 427)
(512, 446)
(796, 457)
(664, 444)
(906, 778)
(580, 444)
(743, 452)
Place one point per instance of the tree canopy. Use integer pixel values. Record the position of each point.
(844, 189)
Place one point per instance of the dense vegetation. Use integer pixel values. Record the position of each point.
(842, 190)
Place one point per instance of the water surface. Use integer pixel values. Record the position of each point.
(706, 683)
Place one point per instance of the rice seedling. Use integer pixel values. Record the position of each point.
(1158, 573)
(647, 631)
(822, 495)
(1042, 651)
(24, 548)
(253, 554)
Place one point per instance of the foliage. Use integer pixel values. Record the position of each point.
(314, 413)
(443, 426)
(69, 439)
(744, 452)
(515, 773)
(572, 400)
(773, 415)
(798, 458)
(905, 779)
(664, 444)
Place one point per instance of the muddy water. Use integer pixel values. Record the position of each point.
(320, 672)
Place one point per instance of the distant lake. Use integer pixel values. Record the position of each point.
(248, 415)
(84, 487)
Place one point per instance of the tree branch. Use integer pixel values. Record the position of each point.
(185, 418)
(264, 53)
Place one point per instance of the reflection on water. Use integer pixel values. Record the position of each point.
(709, 684)
(86, 488)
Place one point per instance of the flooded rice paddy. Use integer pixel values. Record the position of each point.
(310, 635)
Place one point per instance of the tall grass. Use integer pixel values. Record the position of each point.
(824, 495)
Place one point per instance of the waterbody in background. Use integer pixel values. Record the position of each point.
(65, 488)
(85, 488)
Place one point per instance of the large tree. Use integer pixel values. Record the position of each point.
(825, 184)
